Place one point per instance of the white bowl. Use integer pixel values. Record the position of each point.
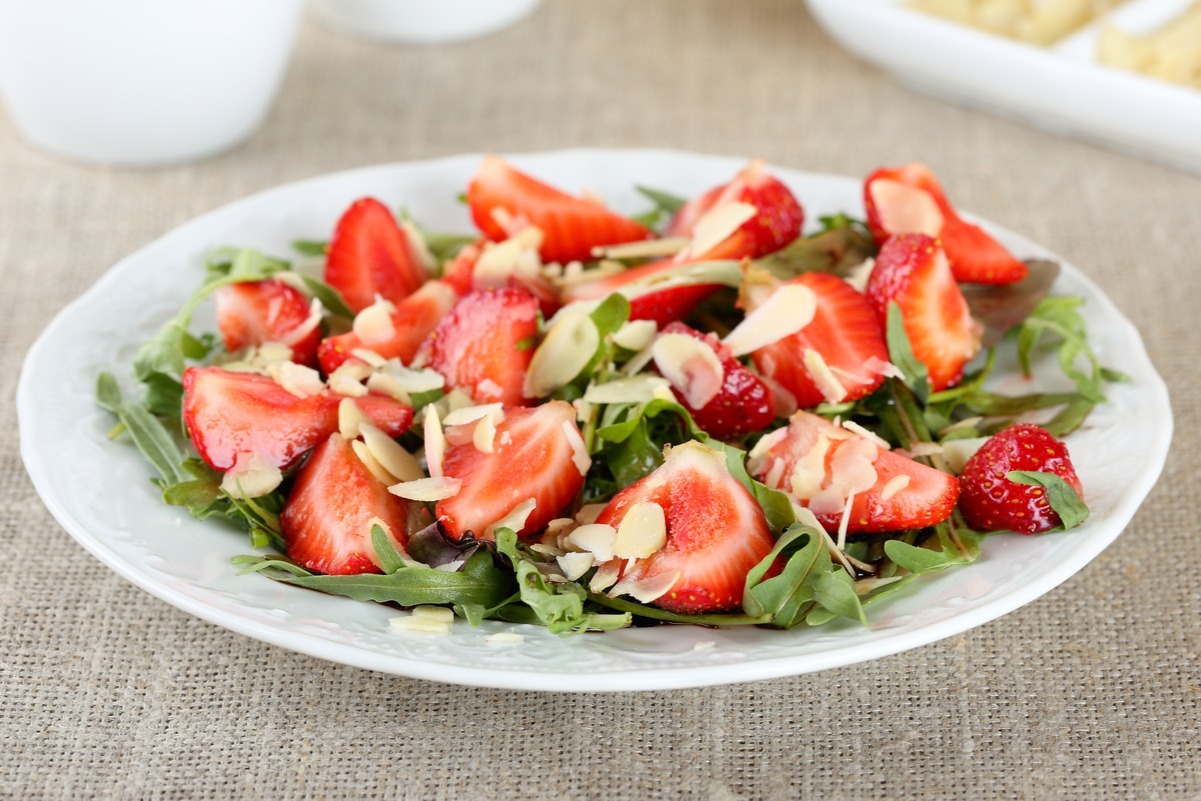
(422, 21)
(142, 82)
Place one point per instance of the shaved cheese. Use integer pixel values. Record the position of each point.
(516, 517)
(643, 531)
(719, 224)
(297, 379)
(437, 488)
(390, 455)
(418, 246)
(844, 522)
(767, 442)
(691, 365)
(251, 477)
(589, 512)
(829, 385)
(579, 451)
(435, 441)
(374, 323)
(788, 310)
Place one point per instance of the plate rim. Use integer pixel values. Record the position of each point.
(620, 679)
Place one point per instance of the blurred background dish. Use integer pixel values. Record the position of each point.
(142, 82)
(422, 21)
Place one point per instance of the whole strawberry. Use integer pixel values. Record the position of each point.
(990, 501)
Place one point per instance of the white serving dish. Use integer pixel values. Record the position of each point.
(1060, 88)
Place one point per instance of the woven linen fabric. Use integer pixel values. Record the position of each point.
(1090, 692)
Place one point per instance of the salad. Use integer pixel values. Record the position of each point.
(587, 421)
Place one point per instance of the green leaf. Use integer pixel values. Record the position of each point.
(164, 395)
(919, 560)
(789, 596)
(310, 247)
(837, 250)
(330, 298)
(663, 200)
(1064, 500)
(776, 505)
(108, 393)
(390, 559)
(834, 592)
(900, 352)
(154, 441)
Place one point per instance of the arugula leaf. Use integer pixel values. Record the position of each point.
(776, 505)
(147, 432)
(900, 352)
(390, 559)
(310, 247)
(666, 206)
(1064, 500)
(838, 250)
(806, 582)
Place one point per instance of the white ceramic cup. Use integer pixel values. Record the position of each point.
(423, 22)
(142, 82)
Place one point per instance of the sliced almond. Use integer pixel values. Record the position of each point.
(348, 378)
(958, 451)
(504, 638)
(373, 359)
(411, 624)
(589, 512)
(251, 477)
(374, 323)
(516, 517)
(350, 418)
(418, 246)
(646, 590)
(872, 436)
(575, 565)
(605, 576)
(631, 389)
(643, 531)
(598, 539)
(370, 462)
(427, 489)
(645, 249)
(893, 486)
(827, 383)
(435, 441)
(439, 613)
(788, 310)
(691, 366)
(483, 435)
(905, 209)
(579, 451)
(386, 384)
(469, 414)
(636, 334)
(297, 379)
(719, 224)
(567, 348)
(391, 456)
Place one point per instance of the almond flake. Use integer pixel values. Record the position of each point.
(958, 451)
(934, 449)
(575, 565)
(857, 276)
(789, 309)
(893, 486)
(844, 522)
(636, 334)
(605, 576)
(775, 474)
(567, 348)
(632, 389)
(547, 549)
(386, 384)
(516, 517)
(372, 358)
(579, 451)
(691, 365)
(427, 489)
(469, 414)
(418, 246)
(483, 436)
(639, 360)
(809, 472)
(589, 512)
(877, 366)
(347, 380)
(489, 388)
(501, 260)
(374, 323)
(643, 531)
(767, 442)
(251, 477)
(829, 386)
(598, 539)
(646, 590)
(297, 379)
(390, 455)
(805, 516)
(411, 624)
(350, 418)
(439, 613)
(905, 209)
(435, 441)
(877, 440)
(504, 638)
(370, 462)
(719, 224)
(644, 249)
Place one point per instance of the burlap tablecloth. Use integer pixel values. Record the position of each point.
(1091, 692)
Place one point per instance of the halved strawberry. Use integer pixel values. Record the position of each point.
(841, 355)
(532, 456)
(912, 271)
(823, 465)
(716, 531)
(228, 413)
(663, 291)
(991, 502)
(255, 312)
(370, 255)
(778, 220)
(415, 317)
(326, 522)
(909, 199)
(485, 343)
(502, 200)
(741, 406)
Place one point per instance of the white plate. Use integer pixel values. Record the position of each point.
(1060, 88)
(99, 490)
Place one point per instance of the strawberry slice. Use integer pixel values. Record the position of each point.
(503, 200)
(256, 312)
(415, 317)
(743, 403)
(228, 413)
(326, 522)
(823, 466)
(777, 222)
(485, 343)
(991, 502)
(716, 532)
(909, 199)
(912, 271)
(370, 255)
(532, 457)
(460, 273)
(841, 355)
